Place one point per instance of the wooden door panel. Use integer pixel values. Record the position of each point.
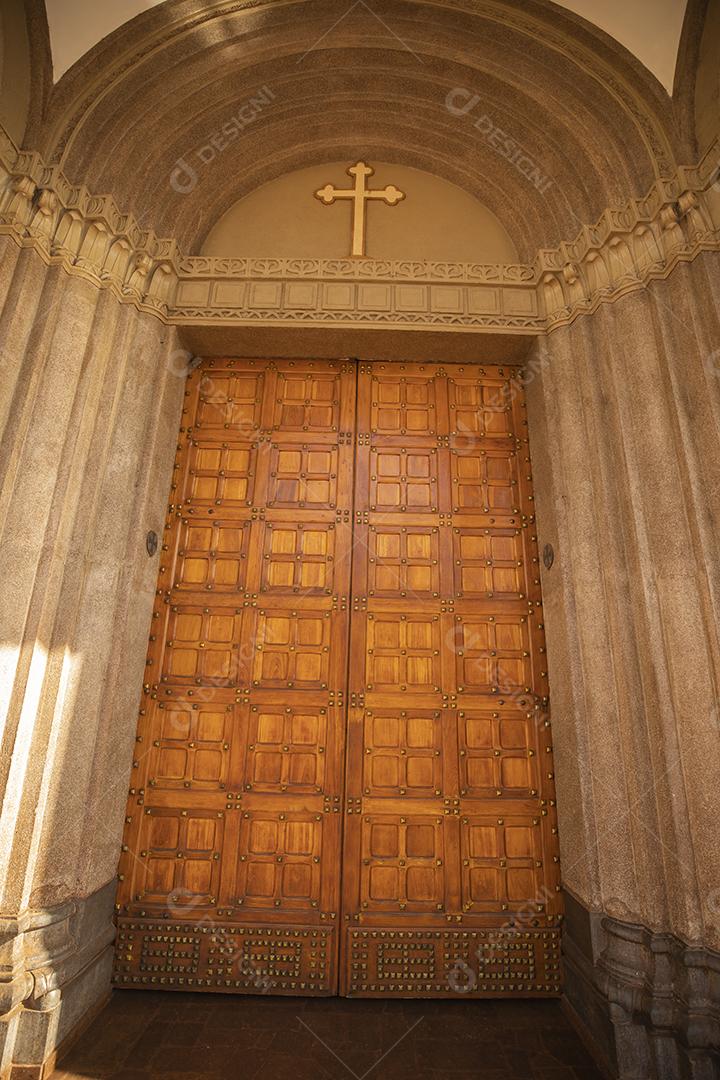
(230, 873)
(450, 879)
(248, 794)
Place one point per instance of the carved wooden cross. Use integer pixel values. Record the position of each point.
(359, 194)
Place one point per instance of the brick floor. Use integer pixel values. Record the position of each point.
(149, 1035)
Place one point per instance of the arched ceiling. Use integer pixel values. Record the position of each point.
(525, 106)
(649, 29)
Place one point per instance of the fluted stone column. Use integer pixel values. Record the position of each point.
(624, 413)
(91, 397)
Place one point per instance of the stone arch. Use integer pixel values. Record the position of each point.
(433, 85)
(25, 65)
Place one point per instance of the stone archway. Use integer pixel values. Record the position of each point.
(101, 314)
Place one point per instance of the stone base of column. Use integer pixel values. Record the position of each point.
(647, 1004)
(55, 967)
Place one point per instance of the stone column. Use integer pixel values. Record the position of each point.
(624, 413)
(91, 398)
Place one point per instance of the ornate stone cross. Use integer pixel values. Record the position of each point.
(359, 193)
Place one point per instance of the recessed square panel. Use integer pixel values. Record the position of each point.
(480, 408)
(292, 649)
(403, 652)
(488, 563)
(287, 748)
(496, 759)
(230, 401)
(193, 748)
(403, 406)
(484, 480)
(212, 556)
(501, 863)
(307, 401)
(403, 480)
(303, 476)
(402, 860)
(491, 654)
(402, 753)
(220, 475)
(203, 646)
(280, 860)
(403, 561)
(179, 865)
(299, 558)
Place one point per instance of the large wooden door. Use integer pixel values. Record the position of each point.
(450, 875)
(230, 870)
(262, 736)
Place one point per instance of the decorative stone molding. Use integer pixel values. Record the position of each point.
(43, 953)
(359, 292)
(625, 249)
(649, 1002)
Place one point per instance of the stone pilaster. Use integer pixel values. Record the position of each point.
(624, 420)
(91, 397)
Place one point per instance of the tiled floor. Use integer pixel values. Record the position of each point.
(147, 1035)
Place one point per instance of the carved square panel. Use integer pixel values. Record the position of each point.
(447, 298)
(231, 401)
(404, 561)
(403, 480)
(179, 858)
(479, 408)
(307, 401)
(403, 652)
(402, 862)
(265, 294)
(192, 745)
(279, 863)
(374, 297)
(212, 556)
(292, 649)
(303, 476)
(299, 558)
(488, 563)
(484, 481)
(221, 475)
(402, 753)
(496, 758)
(501, 863)
(402, 406)
(202, 644)
(491, 653)
(287, 748)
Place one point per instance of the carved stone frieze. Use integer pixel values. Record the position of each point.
(626, 248)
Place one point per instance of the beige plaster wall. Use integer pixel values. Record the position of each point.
(436, 220)
(707, 84)
(625, 422)
(14, 69)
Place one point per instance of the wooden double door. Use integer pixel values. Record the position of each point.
(343, 780)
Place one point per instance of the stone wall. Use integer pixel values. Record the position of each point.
(625, 422)
(90, 399)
